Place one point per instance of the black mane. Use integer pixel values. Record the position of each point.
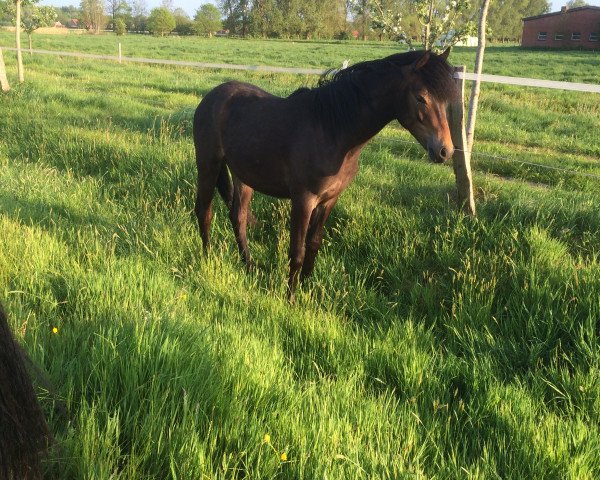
(436, 73)
(339, 94)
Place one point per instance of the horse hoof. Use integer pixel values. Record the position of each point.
(291, 298)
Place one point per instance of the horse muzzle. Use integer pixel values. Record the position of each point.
(440, 153)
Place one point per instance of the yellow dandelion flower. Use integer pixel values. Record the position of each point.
(55, 330)
(283, 457)
(267, 438)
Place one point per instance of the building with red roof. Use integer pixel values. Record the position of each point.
(570, 28)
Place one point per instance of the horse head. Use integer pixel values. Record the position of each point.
(429, 89)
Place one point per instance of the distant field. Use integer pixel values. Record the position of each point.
(428, 344)
(574, 66)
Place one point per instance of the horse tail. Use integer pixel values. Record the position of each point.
(225, 185)
(24, 434)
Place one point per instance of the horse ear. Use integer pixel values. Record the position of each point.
(420, 63)
(445, 53)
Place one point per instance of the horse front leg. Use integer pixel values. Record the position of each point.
(302, 208)
(314, 236)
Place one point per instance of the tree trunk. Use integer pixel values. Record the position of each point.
(428, 26)
(18, 42)
(30, 44)
(3, 78)
(462, 156)
(478, 67)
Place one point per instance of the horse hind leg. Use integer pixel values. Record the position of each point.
(208, 172)
(242, 194)
(225, 187)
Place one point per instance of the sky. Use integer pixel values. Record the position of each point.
(190, 6)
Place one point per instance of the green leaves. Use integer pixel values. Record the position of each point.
(437, 24)
(207, 19)
(35, 16)
(161, 22)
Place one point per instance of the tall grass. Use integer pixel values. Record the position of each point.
(427, 344)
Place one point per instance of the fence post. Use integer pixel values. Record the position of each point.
(4, 86)
(120, 56)
(462, 157)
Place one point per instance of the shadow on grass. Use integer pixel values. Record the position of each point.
(47, 215)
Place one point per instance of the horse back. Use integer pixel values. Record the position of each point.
(214, 111)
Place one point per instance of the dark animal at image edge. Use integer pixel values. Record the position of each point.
(306, 147)
(24, 434)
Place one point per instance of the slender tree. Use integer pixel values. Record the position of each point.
(14, 8)
(443, 23)
(478, 68)
(18, 4)
(93, 15)
(34, 17)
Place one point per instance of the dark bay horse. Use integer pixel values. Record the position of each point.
(305, 147)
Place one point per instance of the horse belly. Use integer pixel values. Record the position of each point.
(330, 179)
(260, 170)
(258, 157)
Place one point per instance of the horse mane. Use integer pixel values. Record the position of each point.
(436, 74)
(339, 94)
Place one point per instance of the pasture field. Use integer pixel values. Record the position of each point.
(428, 344)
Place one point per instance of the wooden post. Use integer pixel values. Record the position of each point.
(3, 78)
(462, 156)
(120, 56)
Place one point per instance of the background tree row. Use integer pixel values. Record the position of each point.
(302, 19)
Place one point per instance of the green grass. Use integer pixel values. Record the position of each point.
(427, 344)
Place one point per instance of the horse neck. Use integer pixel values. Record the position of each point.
(379, 95)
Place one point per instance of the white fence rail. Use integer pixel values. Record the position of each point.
(526, 82)
(532, 82)
(180, 63)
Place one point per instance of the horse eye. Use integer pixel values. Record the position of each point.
(420, 99)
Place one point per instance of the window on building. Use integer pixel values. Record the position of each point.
(542, 35)
(576, 36)
(559, 36)
(593, 37)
